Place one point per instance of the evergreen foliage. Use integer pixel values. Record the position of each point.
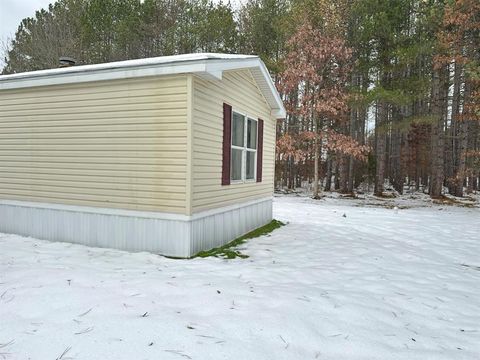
(409, 90)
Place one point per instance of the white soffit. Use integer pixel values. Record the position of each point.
(207, 65)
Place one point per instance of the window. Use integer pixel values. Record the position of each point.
(244, 148)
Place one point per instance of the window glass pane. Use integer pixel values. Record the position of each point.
(250, 164)
(236, 166)
(238, 127)
(252, 134)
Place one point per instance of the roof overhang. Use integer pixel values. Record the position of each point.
(208, 66)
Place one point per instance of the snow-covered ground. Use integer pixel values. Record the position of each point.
(340, 281)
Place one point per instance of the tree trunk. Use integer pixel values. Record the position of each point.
(380, 131)
(328, 176)
(336, 182)
(470, 181)
(437, 135)
(343, 172)
(462, 150)
(316, 161)
(456, 133)
(396, 174)
(462, 162)
(352, 129)
(351, 174)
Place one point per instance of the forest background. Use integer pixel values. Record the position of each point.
(380, 93)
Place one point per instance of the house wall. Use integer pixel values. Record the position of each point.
(238, 88)
(111, 144)
(131, 164)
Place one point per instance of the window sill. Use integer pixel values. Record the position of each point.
(237, 182)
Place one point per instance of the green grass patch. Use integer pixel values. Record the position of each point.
(228, 251)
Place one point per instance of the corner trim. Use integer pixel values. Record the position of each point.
(189, 173)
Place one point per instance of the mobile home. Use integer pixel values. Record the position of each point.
(171, 155)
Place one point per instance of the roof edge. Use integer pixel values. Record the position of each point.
(207, 65)
(124, 64)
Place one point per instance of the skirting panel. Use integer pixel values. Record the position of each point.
(167, 234)
(218, 229)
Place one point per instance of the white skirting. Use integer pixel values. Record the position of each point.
(167, 234)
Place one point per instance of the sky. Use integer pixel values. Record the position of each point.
(13, 11)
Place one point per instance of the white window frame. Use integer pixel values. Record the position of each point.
(244, 149)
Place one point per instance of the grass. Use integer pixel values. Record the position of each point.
(228, 251)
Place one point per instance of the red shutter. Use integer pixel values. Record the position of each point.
(227, 143)
(260, 151)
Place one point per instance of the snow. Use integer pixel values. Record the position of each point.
(340, 281)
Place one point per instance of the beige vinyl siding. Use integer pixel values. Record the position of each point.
(118, 143)
(238, 88)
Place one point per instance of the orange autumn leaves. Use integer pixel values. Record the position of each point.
(315, 83)
(300, 146)
(318, 68)
(459, 43)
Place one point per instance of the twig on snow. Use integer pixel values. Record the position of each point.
(7, 344)
(85, 313)
(178, 353)
(61, 357)
(473, 267)
(287, 344)
(84, 331)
